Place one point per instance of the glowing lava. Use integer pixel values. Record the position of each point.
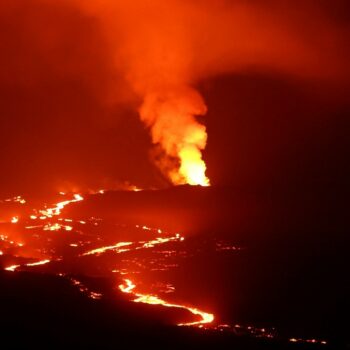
(158, 257)
(57, 227)
(49, 212)
(12, 268)
(129, 287)
(196, 175)
(38, 263)
(120, 246)
(41, 262)
(170, 113)
(15, 219)
(193, 167)
(111, 247)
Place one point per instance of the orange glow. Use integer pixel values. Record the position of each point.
(120, 246)
(111, 247)
(134, 188)
(12, 268)
(42, 262)
(83, 288)
(160, 240)
(170, 115)
(193, 167)
(49, 212)
(17, 199)
(15, 219)
(38, 263)
(57, 227)
(129, 287)
(313, 341)
(130, 265)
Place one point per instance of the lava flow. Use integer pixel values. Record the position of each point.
(53, 218)
(37, 263)
(144, 260)
(129, 287)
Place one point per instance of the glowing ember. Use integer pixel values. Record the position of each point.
(119, 247)
(129, 287)
(42, 262)
(83, 288)
(111, 247)
(136, 189)
(17, 199)
(38, 263)
(49, 212)
(12, 268)
(312, 341)
(15, 219)
(148, 244)
(57, 227)
(161, 240)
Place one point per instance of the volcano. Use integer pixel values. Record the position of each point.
(174, 174)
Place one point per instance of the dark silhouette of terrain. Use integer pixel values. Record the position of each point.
(46, 312)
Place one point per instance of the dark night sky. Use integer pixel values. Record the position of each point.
(62, 129)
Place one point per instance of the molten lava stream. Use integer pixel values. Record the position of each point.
(129, 287)
(55, 213)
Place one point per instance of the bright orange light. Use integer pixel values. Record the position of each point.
(110, 247)
(193, 167)
(129, 287)
(57, 227)
(15, 219)
(41, 262)
(170, 113)
(12, 268)
(49, 212)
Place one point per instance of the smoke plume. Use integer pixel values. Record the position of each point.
(163, 49)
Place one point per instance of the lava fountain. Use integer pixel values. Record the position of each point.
(129, 287)
(170, 115)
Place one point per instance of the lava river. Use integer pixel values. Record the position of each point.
(42, 224)
(46, 240)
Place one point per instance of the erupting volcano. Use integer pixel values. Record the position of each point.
(174, 173)
(170, 115)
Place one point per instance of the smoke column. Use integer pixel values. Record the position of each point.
(170, 115)
(164, 48)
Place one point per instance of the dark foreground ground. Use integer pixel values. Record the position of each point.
(42, 311)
